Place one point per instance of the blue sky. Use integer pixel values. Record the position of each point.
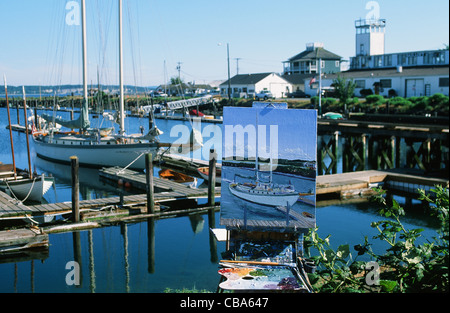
(273, 135)
(38, 47)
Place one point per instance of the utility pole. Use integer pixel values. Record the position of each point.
(237, 65)
(179, 71)
(229, 82)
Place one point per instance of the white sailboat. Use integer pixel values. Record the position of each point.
(93, 148)
(20, 184)
(265, 193)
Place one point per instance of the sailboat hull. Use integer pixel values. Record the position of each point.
(92, 154)
(264, 198)
(27, 189)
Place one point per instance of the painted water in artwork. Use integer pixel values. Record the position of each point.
(268, 167)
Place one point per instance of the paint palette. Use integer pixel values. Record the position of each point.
(260, 278)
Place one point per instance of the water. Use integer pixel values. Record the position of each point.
(120, 258)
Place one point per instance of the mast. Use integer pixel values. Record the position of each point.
(10, 129)
(121, 104)
(85, 109)
(26, 132)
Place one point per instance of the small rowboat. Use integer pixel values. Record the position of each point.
(204, 173)
(175, 176)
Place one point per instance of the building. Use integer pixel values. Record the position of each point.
(406, 74)
(306, 62)
(404, 82)
(245, 85)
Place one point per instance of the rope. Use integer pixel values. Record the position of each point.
(29, 192)
(122, 170)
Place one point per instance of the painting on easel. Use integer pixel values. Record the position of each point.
(269, 168)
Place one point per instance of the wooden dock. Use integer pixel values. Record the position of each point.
(14, 241)
(337, 185)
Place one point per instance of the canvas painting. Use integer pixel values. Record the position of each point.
(269, 168)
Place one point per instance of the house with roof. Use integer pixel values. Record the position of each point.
(246, 85)
(307, 62)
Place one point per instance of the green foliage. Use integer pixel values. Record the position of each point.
(406, 265)
(344, 89)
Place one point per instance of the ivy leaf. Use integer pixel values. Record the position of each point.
(388, 285)
(343, 251)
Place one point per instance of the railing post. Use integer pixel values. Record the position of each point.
(212, 177)
(149, 180)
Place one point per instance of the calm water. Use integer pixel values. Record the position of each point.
(148, 256)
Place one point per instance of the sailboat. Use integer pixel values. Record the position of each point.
(265, 193)
(90, 145)
(21, 184)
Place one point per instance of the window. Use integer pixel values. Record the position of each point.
(385, 83)
(401, 59)
(336, 64)
(322, 64)
(360, 83)
(361, 49)
(377, 61)
(388, 60)
(443, 82)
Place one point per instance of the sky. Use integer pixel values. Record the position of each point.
(272, 136)
(40, 47)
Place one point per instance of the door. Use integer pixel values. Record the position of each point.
(414, 88)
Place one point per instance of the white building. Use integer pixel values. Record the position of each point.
(405, 82)
(405, 74)
(244, 85)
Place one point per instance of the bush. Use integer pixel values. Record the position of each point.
(366, 92)
(406, 265)
(375, 99)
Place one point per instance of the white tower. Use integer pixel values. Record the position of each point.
(370, 36)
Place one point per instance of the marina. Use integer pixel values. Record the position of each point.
(214, 185)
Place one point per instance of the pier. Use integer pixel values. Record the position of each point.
(335, 186)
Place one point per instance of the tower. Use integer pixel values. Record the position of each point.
(370, 36)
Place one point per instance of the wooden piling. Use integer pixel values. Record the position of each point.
(212, 177)
(149, 180)
(75, 189)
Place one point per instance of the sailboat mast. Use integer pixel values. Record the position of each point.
(10, 129)
(84, 45)
(121, 104)
(26, 132)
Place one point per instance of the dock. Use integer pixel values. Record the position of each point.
(14, 241)
(337, 186)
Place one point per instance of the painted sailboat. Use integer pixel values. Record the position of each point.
(90, 145)
(265, 193)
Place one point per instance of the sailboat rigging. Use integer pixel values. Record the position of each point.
(93, 148)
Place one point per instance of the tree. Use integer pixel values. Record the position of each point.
(176, 81)
(344, 90)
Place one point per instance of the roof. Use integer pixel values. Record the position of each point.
(247, 79)
(317, 53)
(297, 79)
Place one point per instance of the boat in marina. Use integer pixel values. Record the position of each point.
(204, 173)
(92, 147)
(175, 176)
(22, 186)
